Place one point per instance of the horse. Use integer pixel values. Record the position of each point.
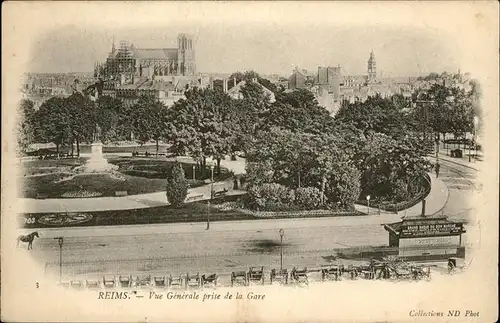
(28, 238)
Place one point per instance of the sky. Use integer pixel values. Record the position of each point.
(266, 48)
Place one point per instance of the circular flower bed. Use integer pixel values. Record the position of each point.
(64, 219)
(81, 193)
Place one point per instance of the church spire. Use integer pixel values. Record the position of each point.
(372, 68)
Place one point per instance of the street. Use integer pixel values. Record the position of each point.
(226, 246)
(461, 183)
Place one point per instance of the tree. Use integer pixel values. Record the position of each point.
(176, 185)
(375, 114)
(389, 162)
(112, 117)
(298, 111)
(26, 124)
(55, 126)
(201, 125)
(149, 120)
(343, 187)
(82, 118)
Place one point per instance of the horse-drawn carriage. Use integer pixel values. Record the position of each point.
(239, 278)
(299, 276)
(125, 281)
(256, 275)
(108, 281)
(175, 282)
(329, 273)
(142, 281)
(279, 276)
(209, 280)
(193, 281)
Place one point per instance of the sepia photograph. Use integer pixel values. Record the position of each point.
(249, 161)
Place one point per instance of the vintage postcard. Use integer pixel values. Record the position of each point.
(250, 161)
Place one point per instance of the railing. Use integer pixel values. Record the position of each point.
(300, 214)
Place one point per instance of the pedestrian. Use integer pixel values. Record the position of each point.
(437, 169)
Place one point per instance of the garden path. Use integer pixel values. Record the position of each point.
(435, 200)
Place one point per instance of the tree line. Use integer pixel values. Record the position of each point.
(297, 154)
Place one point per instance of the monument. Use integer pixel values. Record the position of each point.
(97, 163)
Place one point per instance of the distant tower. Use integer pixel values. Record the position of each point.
(372, 68)
(185, 58)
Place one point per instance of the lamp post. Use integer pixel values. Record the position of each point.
(368, 202)
(211, 194)
(60, 240)
(194, 172)
(476, 121)
(282, 233)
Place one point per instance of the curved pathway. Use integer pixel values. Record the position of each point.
(435, 200)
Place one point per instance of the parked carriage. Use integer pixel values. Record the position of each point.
(193, 281)
(209, 280)
(280, 276)
(108, 281)
(366, 271)
(142, 281)
(420, 272)
(125, 281)
(256, 275)
(331, 273)
(76, 284)
(239, 278)
(299, 276)
(175, 282)
(352, 272)
(92, 284)
(160, 281)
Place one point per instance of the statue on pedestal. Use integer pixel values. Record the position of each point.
(97, 134)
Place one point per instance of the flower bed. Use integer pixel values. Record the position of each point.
(396, 207)
(81, 194)
(302, 214)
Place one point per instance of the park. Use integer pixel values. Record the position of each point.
(293, 155)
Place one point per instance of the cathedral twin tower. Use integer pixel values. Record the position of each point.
(137, 62)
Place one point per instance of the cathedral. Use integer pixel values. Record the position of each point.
(128, 63)
(165, 73)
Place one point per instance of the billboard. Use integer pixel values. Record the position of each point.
(429, 230)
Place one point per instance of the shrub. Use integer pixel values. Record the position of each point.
(271, 197)
(258, 173)
(308, 198)
(176, 185)
(343, 188)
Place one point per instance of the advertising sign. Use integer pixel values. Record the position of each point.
(429, 230)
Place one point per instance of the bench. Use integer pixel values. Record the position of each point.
(194, 197)
(220, 193)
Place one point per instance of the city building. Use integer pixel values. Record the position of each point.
(235, 91)
(372, 68)
(165, 73)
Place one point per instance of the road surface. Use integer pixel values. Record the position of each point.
(461, 183)
(188, 247)
(225, 247)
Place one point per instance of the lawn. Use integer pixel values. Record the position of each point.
(54, 178)
(191, 212)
